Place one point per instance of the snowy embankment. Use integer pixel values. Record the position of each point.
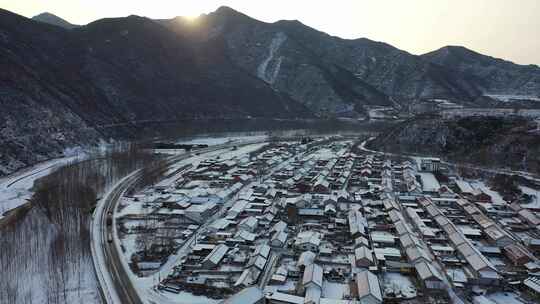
(16, 189)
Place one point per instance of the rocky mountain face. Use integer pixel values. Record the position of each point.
(54, 20)
(327, 73)
(274, 54)
(489, 141)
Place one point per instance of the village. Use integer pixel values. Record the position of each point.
(323, 221)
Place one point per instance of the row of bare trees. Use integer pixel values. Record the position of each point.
(45, 257)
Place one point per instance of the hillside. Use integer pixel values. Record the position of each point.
(64, 88)
(492, 75)
(489, 141)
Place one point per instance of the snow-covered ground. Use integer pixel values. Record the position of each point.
(16, 189)
(335, 290)
(221, 139)
(399, 284)
(505, 298)
(429, 182)
(496, 198)
(535, 203)
(37, 272)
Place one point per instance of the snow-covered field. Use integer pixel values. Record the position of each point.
(35, 270)
(221, 139)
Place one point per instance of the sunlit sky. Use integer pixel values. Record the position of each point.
(500, 28)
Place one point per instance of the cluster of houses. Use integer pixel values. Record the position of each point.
(154, 224)
(480, 244)
(327, 223)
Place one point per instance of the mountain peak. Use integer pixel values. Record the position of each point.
(226, 9)
(456, 54)
(49, 18)
(457, 49)
(228, 12)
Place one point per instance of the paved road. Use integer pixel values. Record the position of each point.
(120, 278)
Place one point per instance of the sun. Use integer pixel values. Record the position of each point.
(190, 18)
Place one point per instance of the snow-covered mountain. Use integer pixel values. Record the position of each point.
(117, 77)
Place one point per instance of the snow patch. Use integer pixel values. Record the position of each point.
(262, 70)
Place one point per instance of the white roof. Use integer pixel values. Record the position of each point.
(308, 237)
(262, 250)
(464, 187)
(414, 254)
(362, 253)
(388, 251)
(280, 236)
(426, 271)
(382, 237)
(280, 297)
(219, 224)
(239, 206)
(217, 254)
(257, 261)
(313, 295)
(313, 274)
(533, 283)
(429, 182)
(201, 208)
(279, 226)
(250, 222)
(357, 223)
(248, 236)
(306, 258)
(368, 285)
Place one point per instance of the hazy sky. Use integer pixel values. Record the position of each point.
(501, 28)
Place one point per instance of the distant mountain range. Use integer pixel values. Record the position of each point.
(63, 84)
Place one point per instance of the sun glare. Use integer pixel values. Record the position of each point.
(190, 18)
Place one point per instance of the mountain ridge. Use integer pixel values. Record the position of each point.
(103, 80)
